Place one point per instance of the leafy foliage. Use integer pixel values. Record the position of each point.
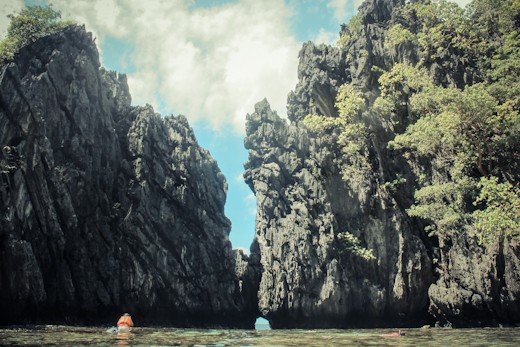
(355, 25)
(403, 80)
(441, 26)
(352, 30)
(398, 34)
(349, 133)
(470, 135)
(318, 123)
(32, 23)
(348, 102)
(352, 244)
(343, 40)
(393, 185)
(457, 125)
(444, 204)
(501, 217)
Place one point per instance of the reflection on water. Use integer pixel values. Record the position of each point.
(92, 336)
(122, 339)
(123, 334)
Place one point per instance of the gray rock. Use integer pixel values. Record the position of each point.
(307, 278)
(105, 207)
(477, 285)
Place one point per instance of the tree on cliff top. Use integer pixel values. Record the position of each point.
(32, 23)
(469, 133)
(466, 129)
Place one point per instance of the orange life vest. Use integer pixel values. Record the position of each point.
(125, 320)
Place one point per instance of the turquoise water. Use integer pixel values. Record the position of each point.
(92, 336)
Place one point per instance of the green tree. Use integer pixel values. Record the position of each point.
(470, 135)
(351, 244)
(501, 213)
(398, 34)
(351, 31)
(349, 132)
(32, 23)
(464, 135)
(402, 81)
(457, 125)
(444, 204)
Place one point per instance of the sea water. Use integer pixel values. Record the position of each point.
(149, 336)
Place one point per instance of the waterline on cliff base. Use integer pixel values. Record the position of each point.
(96, 336)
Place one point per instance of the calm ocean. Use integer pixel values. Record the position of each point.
(98, 336)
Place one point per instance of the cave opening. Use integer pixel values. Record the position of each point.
(262, 324)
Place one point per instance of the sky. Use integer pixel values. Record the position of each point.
(210, 60)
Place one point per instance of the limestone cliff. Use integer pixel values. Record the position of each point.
(308, 277)
(105, 207)
(308, 280)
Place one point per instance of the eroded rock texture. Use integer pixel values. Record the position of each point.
(105, 207)
(308, 280)
(307, 277)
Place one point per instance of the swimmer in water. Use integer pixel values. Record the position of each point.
(125, 324)
(399, 333)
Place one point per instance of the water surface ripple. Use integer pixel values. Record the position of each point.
(97, 336)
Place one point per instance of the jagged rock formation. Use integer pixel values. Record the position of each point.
(307, 277)
(105, 207)
(307, 280)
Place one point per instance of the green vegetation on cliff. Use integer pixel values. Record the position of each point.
(467, 128)
(470, 132)
(353, 30)
(348, 132)
(32, 23)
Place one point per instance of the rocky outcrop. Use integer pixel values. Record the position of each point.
(105, 207)
(476, 285)
(308, 277)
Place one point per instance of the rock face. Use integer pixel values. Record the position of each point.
(476, 286)
(105, 207)
(308, 278)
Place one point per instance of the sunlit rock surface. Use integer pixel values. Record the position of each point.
(307, 278)
(106, 208)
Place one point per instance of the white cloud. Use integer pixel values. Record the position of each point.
(250, 204)
(339, 7)
(250, 198)
(326, 37)
(209, 64)
(343, 8)
(240, 178)
(8, 7)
